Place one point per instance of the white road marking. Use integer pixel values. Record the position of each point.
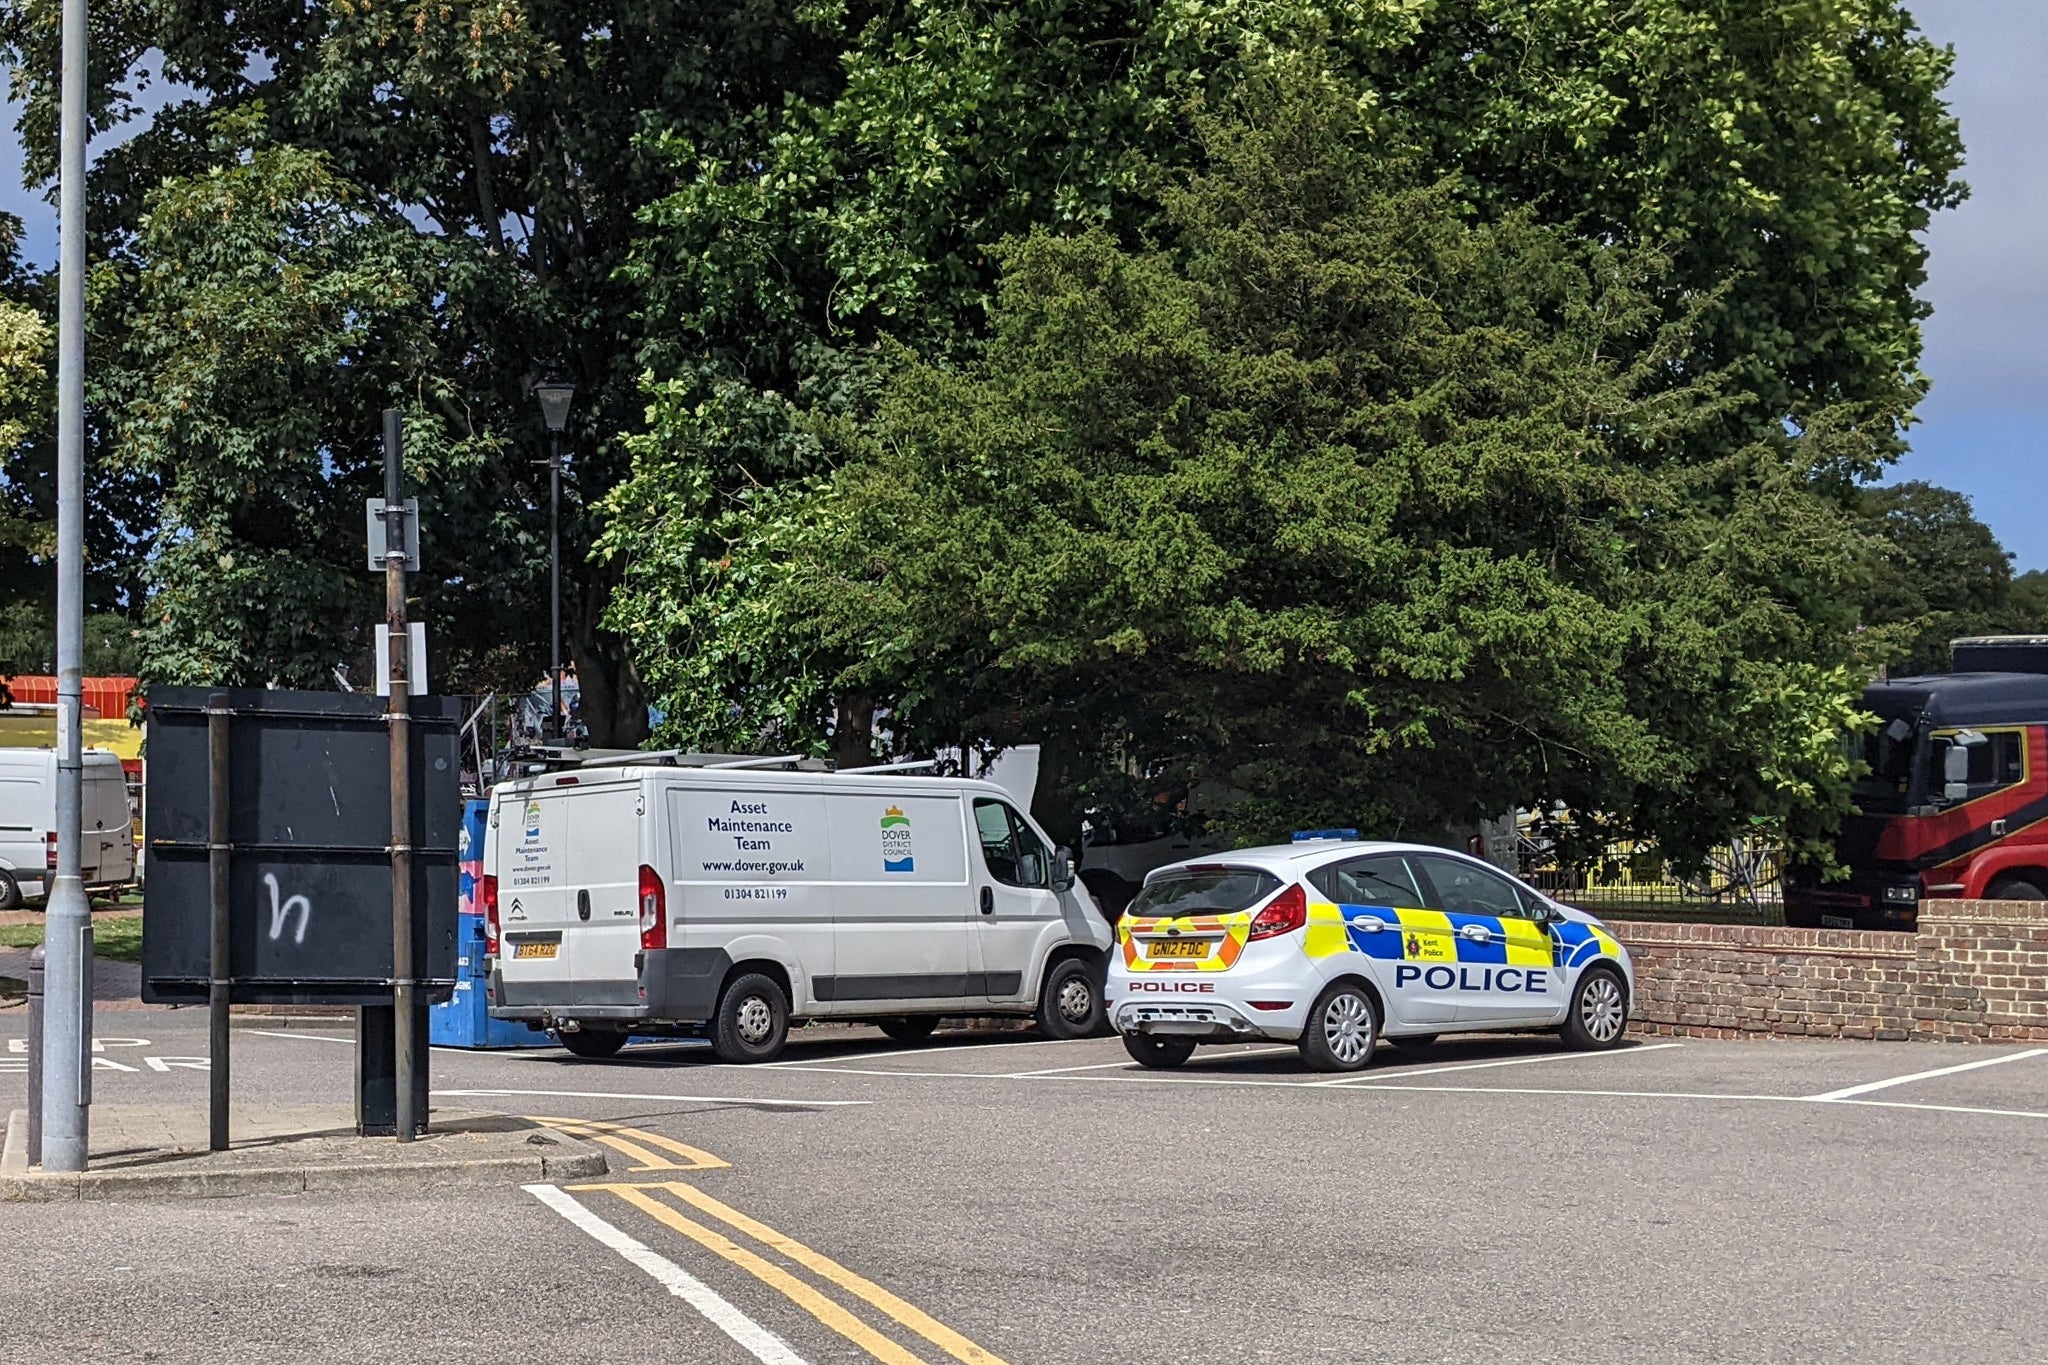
(685, 1099)
(799, 1063)
(1368, 1077)
(1129, 1062)
(757, 1340)
(298, 1035)
(1849, 1092)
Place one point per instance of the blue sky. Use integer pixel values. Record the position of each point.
(1984, 427)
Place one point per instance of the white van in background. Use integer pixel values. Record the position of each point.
(28, 824)
(727, 901)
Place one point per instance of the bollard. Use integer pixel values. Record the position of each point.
(35, 1055)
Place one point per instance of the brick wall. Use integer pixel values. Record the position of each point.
(1976, 971)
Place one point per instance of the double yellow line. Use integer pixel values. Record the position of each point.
(805, 1295)
(656, 1153)
(638, 1144)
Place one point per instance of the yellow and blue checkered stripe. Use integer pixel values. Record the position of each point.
(1432, 936)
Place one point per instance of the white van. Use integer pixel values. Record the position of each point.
(726, 902)
(28, 824)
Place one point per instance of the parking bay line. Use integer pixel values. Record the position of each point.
(1370, 1078)
(1130, 1062)
(1850, 1092)
(804, 1063)
(680, 1099)
(757, 1340)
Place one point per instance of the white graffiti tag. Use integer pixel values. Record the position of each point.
(281, 913)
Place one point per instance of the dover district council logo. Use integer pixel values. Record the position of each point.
(896, 856)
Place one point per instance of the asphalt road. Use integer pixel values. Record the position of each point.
(994, 1197)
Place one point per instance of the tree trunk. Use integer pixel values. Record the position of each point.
(611, 699)
(853, 732)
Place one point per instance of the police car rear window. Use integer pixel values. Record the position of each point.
(1206, 891)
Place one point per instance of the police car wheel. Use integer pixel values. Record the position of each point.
(10, 891)
(1342, 1030)
(1599, 1012)
(1161, 1054)
(752, 1022)
(593, 1042)
(1070, 1004)
(913, 1029)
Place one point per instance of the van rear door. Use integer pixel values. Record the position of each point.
(529, 845)
(602, 892)
(107, 848)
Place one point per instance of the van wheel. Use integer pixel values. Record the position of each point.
(1343, 1028)
(1160, 1054)
(10, 891)
(592, 1042)
(753, 1020)
(2004, 889)
(1070, 1004)
(1599, 1013)
(914, 1029)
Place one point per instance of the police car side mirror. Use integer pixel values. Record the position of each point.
(1062, 869)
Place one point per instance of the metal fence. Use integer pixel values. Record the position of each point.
(1742, 882)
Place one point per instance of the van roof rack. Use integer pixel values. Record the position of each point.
(680, 758)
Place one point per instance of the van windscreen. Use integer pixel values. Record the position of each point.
(1203, 891)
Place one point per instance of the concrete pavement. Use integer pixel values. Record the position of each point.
(1049, 1202)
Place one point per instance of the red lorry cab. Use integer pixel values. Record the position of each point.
(1955, 802)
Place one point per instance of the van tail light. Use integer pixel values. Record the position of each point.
(487, 895)
(50, 851)
(653, 910)
(1283, 914)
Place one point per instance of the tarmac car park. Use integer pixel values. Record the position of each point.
(1332, 943)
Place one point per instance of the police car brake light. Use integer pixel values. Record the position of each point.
(1283, 914)
(1310, 836)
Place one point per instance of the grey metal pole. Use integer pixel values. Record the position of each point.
(558, 731)
(67, 1050)
(217, 853)
(35, 1055)
(399, 724)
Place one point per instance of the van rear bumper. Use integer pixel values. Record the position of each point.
(678, 985)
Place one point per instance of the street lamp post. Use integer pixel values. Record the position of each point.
(555, 396)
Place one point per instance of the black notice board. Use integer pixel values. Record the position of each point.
(309, 803)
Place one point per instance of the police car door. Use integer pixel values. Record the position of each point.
(1504, 955)
(1387, 919)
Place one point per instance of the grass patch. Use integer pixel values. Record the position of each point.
(119, 940)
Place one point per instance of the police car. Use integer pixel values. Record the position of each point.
(1337, 943)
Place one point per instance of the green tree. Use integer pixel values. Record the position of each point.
(1349, 503)
(426, 206)
(1940, 573)
(1777, 157)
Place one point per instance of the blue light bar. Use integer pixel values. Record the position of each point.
(1309, 836)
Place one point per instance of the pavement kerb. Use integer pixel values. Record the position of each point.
(402, 1172)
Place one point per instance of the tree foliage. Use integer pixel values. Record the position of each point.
(1351, 504)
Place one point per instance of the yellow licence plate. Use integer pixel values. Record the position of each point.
(536, 949)
(1177, 947)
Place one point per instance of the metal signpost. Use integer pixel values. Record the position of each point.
(405, 1020)
(67, 1025)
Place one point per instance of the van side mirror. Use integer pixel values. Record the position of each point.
(1955, 764)
(1062, 869)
